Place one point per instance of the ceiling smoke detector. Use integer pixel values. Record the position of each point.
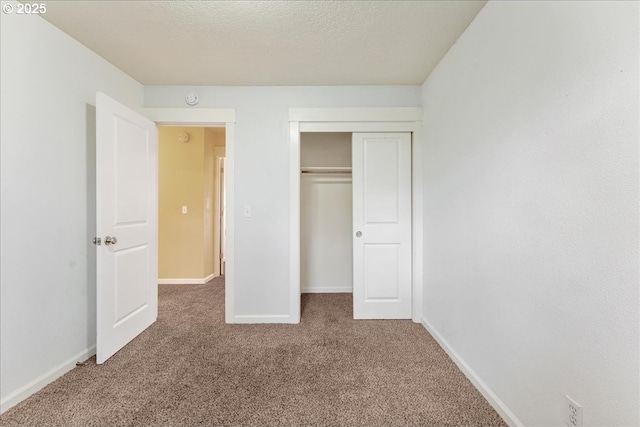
(183, 137)
(191, 98)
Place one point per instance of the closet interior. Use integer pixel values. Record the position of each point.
(326, 247)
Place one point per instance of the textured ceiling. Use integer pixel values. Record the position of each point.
(268, 42)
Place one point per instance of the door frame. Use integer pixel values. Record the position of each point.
(222, 214)
(355, 120)
(203, 117)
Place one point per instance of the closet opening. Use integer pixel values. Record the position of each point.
(326, 213)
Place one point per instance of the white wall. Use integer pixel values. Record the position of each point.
(262, 173)
(47, 269)
(531, 199)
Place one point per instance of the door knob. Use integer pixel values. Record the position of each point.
(110, 240)
(358, 233)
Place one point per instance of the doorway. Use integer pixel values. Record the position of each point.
(189, 208)
(212, 117)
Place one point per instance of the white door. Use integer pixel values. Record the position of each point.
(381, 225)
(127, 223)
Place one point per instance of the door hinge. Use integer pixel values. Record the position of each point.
(97, 241)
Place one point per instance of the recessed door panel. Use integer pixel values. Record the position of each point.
(132, 159)
(381, 272)
(130, 267)
(380, 181)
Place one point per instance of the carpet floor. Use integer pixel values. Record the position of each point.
(191, 369)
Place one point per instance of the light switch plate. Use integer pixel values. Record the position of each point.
(184, 209)
(247, 211)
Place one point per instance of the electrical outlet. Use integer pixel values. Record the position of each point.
(574, 413)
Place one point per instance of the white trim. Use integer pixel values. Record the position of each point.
(328, 290)
(409, 114)
(211, 117)
(206, 117)
(417, 218)
(357, 127)
(229, 256)
(187, 281)
(497, 404)
(43, 380)
(285, 318)
(294, 222)
(355, 120)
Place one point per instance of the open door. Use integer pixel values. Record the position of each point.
(381, 172)
(127, 223)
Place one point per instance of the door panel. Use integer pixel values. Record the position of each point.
(131, 153)
(380, 181)
(382, 216)
(381, 272)
(130, 299)
(127, 270)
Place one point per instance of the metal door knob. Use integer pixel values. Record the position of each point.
(358, 233)
(110, 240)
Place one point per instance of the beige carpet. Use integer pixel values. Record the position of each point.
(190, 368)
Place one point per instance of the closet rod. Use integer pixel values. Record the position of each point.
(328, 170)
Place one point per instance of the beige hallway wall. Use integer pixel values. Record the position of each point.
(187, 176)
(180, 183)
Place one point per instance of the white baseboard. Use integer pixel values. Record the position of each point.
(39, 383)
(327, 290)
(263, 319)
(187, 281)
(480, 385)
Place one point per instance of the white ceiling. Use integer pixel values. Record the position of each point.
(268, 42)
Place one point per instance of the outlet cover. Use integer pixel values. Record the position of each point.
(573, 413)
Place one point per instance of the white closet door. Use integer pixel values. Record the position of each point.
(381, 225)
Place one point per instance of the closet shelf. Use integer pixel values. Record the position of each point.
(325, 169)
